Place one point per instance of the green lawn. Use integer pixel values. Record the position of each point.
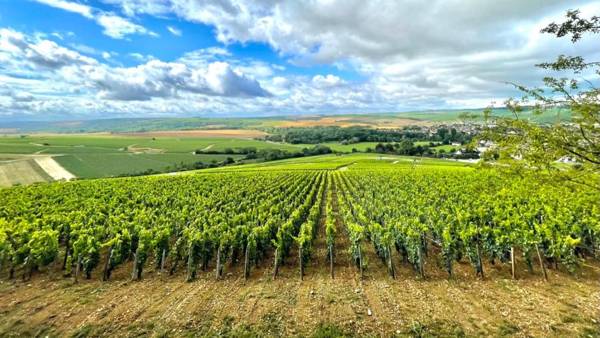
(446, 147)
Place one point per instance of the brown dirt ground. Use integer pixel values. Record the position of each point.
(232, 133)
(565, 306)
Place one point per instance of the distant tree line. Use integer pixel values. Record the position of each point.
(408, 148)
(350, 135)
(269, 154)
(183, 167)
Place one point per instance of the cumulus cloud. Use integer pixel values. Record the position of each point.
(373, 30)
(147, 81)
(42, 53)
(140, 57)
(433, 53)
(22, 97)
(157, 79)
(401, 55)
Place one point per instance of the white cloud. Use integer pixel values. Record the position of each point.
(85, 49)
(118, 27)
(140, 57)
(65, 68)
(22, 97)
(326, 81)
(114, 26)
(70, 6)
(374, 30)
(174, 31)
(40, 53)
(433, 53)
(157, 79)
(401, 55)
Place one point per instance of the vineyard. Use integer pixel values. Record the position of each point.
(370, 244)
(221, 220)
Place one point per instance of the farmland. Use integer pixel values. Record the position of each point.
(21, 170)
(109, 155)
(106, 155)
(354, 244)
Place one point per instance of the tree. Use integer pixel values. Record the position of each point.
(525, 143)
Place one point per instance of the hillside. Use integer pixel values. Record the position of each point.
(245, 250)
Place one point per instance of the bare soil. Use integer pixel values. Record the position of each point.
(378, 305)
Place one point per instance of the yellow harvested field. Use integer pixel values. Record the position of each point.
(350, 121)
(22, 171)
(28, 169)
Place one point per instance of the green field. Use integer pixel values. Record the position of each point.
(103, 155)
(108, 165)
(68, 144)
(97, 155)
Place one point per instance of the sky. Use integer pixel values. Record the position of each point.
(78, 59)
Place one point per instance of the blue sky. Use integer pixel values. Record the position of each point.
(76, 59)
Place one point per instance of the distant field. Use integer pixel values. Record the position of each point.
(77, 144)
(106, 155)
(375, 121)
(108, 165)
(378, 120)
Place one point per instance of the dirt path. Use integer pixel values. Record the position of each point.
(207, 148)
(53, 168)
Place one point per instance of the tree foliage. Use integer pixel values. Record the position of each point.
(527, 145)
